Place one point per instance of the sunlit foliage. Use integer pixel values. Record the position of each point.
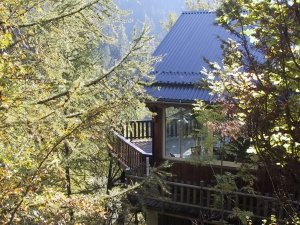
(58, 103)
(260, 80)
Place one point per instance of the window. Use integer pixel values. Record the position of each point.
(186, 138)
(180, 138)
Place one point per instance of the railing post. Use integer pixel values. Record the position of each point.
(201, 193)
(147, 166)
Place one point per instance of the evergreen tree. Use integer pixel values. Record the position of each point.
(169, 23)
(191, 5)
(58, 103)
(202, 5)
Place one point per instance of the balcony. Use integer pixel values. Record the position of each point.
(195, 198)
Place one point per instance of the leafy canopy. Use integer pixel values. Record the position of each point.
(259, 81)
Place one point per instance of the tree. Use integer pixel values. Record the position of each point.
(202, 5)
(191, 5)
(259, 83)
(169, 23)
(57, 106)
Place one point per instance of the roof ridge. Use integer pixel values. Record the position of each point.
(198, 12)
(177, 72)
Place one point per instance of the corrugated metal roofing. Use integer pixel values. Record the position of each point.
(193, 37)
(177, 77)
(171, 93)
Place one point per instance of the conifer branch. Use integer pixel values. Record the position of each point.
(45, 21)
(133, 48)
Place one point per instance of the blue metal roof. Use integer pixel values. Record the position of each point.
(193, 38)
(183, 94)
(176, 77)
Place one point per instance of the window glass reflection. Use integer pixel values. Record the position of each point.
(180, 133)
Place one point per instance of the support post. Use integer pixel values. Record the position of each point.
(147, 167)
(68, 178)
(109, 179)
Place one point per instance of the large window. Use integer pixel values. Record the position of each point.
(180, 138)
(186, 138)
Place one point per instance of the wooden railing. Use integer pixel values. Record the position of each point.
(138, 129)
(130, 156)
(142, 129)
(262, 206)
(210, 200)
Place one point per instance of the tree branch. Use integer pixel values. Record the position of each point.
(105, 75)
(45, 21)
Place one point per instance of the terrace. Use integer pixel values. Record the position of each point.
(194, 198)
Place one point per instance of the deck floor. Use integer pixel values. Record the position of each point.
(171, 146)
(145, 145)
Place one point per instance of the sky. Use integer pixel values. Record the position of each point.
(151, 11)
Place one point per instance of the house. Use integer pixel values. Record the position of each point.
(169, 136)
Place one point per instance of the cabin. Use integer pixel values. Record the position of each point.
(192, 197)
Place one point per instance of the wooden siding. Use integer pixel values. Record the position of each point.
(188, 172)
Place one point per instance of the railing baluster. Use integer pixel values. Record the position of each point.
(251, 204)
(138, 130)
(143, 129)
(188, 193)
(266, 206)
(201, 193)
(147, 129)
(208, 198)
(195, 194)
(228, 202)
(181, 194)
(175, 198)
(134, 130)
(244, 202)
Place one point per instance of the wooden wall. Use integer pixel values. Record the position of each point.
(191, 173)
(170, 220)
